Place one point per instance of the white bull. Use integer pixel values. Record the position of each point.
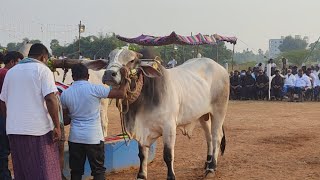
(95, 78)
(197, 90)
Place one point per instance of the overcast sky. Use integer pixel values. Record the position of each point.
(254, 22)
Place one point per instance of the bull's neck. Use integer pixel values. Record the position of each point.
(150, 98)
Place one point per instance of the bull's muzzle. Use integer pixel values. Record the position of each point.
(109, 77)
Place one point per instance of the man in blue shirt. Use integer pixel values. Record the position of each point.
(81, 104)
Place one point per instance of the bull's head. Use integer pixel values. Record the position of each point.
(120, 58)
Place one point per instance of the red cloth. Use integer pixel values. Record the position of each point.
(35, 157)
(3, 72)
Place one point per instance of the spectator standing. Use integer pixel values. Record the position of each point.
(172, 63)
(29, 103)
(10, 60)
(81, 104)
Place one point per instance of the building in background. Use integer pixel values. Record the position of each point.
(274, 44)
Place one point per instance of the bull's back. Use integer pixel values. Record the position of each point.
(196, 84)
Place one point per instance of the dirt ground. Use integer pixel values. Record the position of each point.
(265, 140)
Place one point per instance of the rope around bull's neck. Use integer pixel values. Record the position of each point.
(130, 97)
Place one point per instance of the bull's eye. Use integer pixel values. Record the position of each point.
(132, 61)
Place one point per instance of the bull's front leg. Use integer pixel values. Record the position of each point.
(104, 117)
(143, 155)
(169, 139)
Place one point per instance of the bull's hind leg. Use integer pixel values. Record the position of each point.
(206, 125)
(218, 138)
(143, 155)
(169, 139)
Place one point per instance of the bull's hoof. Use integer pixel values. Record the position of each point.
(141, 177)
(209, 173)
(205, 165)
(171, 178)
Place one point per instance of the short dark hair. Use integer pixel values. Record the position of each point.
(79, 71)
(1, 57)
(12, 56)
(37, 50)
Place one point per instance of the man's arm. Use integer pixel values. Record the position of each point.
(3, 109)
(119, 93)
(52, 105)
(66, 117)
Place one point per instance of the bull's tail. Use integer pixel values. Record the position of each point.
(223, 142)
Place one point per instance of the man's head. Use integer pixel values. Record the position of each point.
(277, 72)
(40, 52)
(248, 73)
(289, 71)
(260, 72)
(236, 73)
(12, 58)
(231, 73)
(271, 61)
(308, 71)
(300, 72)
(317, 68)
(80, 72)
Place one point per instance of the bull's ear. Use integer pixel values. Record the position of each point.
(151, 69)
(138, 55)
(96, 65)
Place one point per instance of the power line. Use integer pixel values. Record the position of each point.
(308, 55)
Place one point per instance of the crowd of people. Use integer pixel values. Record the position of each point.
(33, 116)
(290, 83)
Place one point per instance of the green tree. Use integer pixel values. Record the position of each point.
(296, 57)
(292, 44)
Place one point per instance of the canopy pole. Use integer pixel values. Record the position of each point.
(184, 53)
(232, 57)
(197, 50)
(217, 52)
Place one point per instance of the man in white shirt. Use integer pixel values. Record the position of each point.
(302, 83)
(62, 56)
(172, 63)
(316, 84)
(289, 82)
(29, 103)
(81, 104)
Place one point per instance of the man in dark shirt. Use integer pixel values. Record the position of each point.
(235, 88)
(10, 60)
(262, 85)
(248, 83)
(277, 86)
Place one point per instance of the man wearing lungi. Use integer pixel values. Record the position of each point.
(10, 60)
(81, 104)
(29, 103)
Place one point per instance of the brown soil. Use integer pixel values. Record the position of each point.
(265, 140)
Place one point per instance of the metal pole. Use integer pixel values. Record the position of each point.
(232, 58)
(184, 53)
(217, 52)
(79, 38)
